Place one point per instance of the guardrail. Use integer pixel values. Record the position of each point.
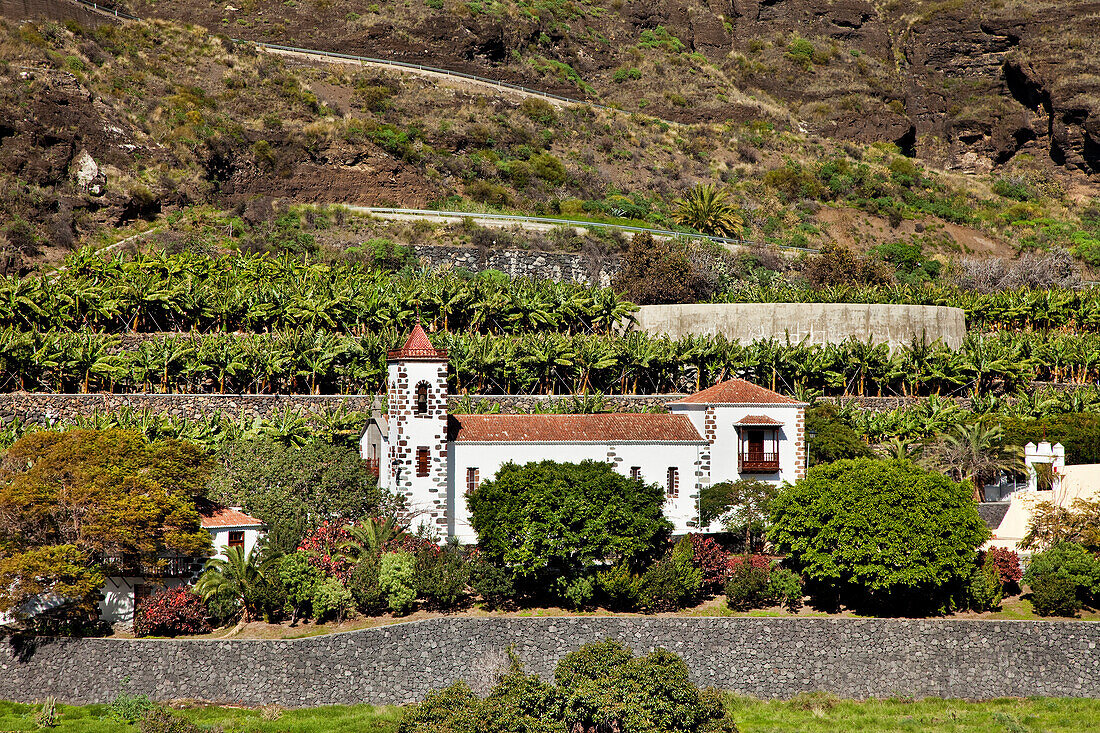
(371, 60)
(569, 222)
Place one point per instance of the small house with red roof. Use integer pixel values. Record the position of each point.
(228, 527)
(730, 431)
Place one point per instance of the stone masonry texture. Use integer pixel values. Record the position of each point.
(765, 657)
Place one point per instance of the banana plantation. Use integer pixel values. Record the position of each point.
(160, 292)
(311, 360)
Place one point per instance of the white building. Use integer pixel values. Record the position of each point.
(228, 527)
(732, 430)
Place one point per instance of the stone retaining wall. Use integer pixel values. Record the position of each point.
(765, 657)
(45, 408)
(562, 266)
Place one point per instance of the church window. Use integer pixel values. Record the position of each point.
(673, 482)
(422, 398)
(471, 478)
(422, 461)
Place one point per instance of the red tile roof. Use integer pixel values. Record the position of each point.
(736, 392)
(612, 427)
(417, 346)
(215, 516)
(758, 420)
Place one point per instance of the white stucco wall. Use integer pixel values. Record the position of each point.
(219, 538)
(1077, 482)
(723, 459)
(117, 605)
(654, 459)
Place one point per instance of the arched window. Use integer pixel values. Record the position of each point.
(422, 398)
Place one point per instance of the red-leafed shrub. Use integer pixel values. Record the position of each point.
(758, 562)
(171, 612)
(1006, 562)
(323, 545)
(712, 560)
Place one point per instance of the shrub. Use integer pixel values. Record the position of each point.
(879, 533)
(331, 599)
(365, 590)
(126, 708)
(1007, 564)
(160, 720)
(46, 716)
(547, 167)
(626, 73)
(656, 272)
(713, 561)
(441, 575)
(171, 612)
(299, 579)
(984, 590)
(1071, 561)
(396, 575)
(577, 593)
(673, 582)
(1053, 594)
(492, 582)
(621, 588)
(539, 110)
(748, 587)
(786, 588)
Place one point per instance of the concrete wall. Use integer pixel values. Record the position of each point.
(766, 657)
(822, 322)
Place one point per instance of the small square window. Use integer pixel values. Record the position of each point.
(236, 539)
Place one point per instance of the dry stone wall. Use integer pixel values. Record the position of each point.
(562, 266)
(765, 657)
(45, 408)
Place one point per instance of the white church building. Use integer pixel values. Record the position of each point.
(730, 431)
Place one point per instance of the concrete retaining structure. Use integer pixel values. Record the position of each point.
(823, 323)
(765, 657)
(561, 266)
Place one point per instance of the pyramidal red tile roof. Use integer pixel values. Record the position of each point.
(214, 516)
(736, 392)
(617, 427)
(758, 420)
(417, 346)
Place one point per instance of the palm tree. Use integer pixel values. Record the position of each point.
(370, 538)
(237, 576)
(976, 453)
(707, 209)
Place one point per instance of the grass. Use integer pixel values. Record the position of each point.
(808, 713)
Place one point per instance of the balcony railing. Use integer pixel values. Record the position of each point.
(164, 567)
(758, 462)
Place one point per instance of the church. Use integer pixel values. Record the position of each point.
(733, 430)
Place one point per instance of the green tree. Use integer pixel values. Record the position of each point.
(550, 524)
(1071, 561)
(89, 502)
(742, 504)
(830, 438)
(707, 209)
(292, 489)
(888, 534)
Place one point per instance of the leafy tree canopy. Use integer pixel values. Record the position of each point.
(553, 521)
(72, 502)
(1078, 432)
(293, 489)
(887, 533)
(833, 439)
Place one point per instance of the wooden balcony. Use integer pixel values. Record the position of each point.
(758, 462)
(165, 567)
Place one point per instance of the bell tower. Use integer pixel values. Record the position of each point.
(416, 389)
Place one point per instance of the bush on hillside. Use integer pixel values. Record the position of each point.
(365, 589)
(442, 574)
(171, 612)
(492, 582)
(396, 576)
(655, 272)
(882, 534)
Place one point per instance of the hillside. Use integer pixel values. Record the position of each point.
(122, 124)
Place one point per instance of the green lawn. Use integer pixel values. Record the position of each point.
(805, 714)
